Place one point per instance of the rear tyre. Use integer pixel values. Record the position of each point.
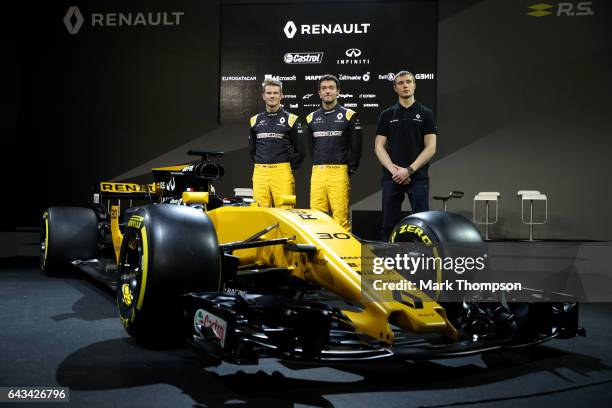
(67, 234)
(167, 250)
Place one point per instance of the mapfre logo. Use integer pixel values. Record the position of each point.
(74, 19)
(291, 29)
(562, 9)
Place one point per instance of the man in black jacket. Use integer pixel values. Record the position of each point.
(405, 143)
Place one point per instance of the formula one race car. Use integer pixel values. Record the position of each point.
(240, 282)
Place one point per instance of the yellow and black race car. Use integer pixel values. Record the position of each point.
(239, 281)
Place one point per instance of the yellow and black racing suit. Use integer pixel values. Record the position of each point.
(276, 146)
(334, 138)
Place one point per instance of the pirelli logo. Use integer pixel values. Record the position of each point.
(135, 221)
(126, 188)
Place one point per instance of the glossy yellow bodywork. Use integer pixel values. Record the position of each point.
(336, 266)
(195, 197)
(179, 167)
(115, 231)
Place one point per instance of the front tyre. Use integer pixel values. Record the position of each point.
(435, 226)
(167, 250)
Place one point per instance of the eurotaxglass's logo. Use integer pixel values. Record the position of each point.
(561, 9)
(74, 19)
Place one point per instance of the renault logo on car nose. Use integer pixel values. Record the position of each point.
(290, 29)
(353, 52)
(73, 12)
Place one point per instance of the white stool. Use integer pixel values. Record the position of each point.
(531, 196)
(486, 196)
(243, 192)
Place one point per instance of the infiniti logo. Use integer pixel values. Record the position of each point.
(353, 56)
(76, 13)
(353, 52)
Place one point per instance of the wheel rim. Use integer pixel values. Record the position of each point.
(44, 240)
(130, 275)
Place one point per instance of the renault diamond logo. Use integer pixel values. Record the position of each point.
(73, 13)
(353, 52)
(290, 29)
(540, 10)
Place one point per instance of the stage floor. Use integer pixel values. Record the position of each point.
(65, 332)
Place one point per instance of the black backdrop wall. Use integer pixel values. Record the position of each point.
(96, 103)
(522, 103)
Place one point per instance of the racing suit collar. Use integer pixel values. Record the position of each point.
(332, 110)
(273, 114)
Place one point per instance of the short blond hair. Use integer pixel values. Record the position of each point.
(271, 82)
(404, 73)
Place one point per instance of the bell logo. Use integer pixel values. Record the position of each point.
(290, 29)
(73, 12)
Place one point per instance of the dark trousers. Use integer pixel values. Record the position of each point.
(393, 197)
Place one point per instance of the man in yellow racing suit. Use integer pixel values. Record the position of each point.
(276, 146)
(334, 137)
